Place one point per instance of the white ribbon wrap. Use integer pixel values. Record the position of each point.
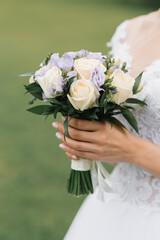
(99, 177)
(104, 182)
(81, 164)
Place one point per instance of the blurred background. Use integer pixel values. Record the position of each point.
(34, 204)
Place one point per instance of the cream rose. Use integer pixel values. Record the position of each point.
(50, 82)
(82, 94)
(84, 66)
(31, 80)
(124, 84)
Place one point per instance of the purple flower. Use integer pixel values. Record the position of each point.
(54, 59)
(112, 69)
(71, 54)
(96, 55)
(63, 82)
(98, 78)
(44, 97)
(55, 89)
(41, 72)
(65, 62)
(81, 53)
(71, 74)
(114, 91)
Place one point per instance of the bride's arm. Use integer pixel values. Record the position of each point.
(98, 141)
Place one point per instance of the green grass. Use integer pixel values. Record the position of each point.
(34, 204)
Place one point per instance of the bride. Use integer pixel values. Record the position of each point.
(132, 212)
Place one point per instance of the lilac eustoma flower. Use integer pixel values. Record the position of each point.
(65, 62)
(54, 59)
(114, 91)
(62, 82)
(96, 55)
(97, 77)
(71, 54)
(71, 74)
(81, 53)
(113, 68)
(41, 72)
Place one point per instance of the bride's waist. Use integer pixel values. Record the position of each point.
(136, 184)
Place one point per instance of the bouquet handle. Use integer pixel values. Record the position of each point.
(84, 178)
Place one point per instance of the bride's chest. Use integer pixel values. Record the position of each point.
(143, 54)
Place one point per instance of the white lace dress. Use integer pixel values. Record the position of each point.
(132, 212)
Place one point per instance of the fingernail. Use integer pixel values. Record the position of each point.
(74, 157)
(62, 146)
(58, 135)
(63, 118)
(54, 124)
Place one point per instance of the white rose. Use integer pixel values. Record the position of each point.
(124, 84)
(50, 82)
(84, 66)
(82, 94)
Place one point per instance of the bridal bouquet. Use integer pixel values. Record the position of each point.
(85, 85)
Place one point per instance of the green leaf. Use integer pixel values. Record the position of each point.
(135, 101)
(40, 110)
(137, 83)
(35, 90)
(69, 82)
(116, 121)
(32, 100)
(66, 127)
(46, 60)
(55, 101)
(56, 111)
(130, 118)
(108, 106)
(96, 104)
(103, 97)
(137, 107)
(93, 116)
(29, 74)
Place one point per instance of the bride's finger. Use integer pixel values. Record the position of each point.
(77, 145)
(74, 157)
(79, 154)
(76, 134)
(85, 125)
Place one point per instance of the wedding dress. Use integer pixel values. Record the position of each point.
(132, 211)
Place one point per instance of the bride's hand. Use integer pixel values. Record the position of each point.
(96, 141)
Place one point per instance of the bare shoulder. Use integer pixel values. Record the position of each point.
(137, 20)
(135, 25)
(140, 20)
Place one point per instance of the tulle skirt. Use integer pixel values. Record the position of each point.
(114, 219)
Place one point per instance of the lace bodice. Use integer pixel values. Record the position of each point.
(130, 181)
